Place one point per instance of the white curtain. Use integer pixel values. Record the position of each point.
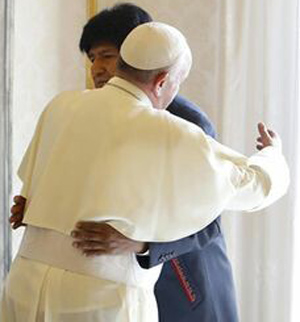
(257, 81)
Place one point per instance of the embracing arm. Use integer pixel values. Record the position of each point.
(90, 237)
(94, 239)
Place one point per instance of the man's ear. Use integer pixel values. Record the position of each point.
(159, 82)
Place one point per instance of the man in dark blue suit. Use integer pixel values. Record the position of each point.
(196, 280)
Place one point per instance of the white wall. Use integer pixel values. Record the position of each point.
(46, 61)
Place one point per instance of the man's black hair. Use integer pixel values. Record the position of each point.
(112, 25)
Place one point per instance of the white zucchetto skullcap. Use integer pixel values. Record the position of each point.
(152, 46)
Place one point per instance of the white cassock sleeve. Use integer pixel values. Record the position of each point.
(259, 180)
(197, 180)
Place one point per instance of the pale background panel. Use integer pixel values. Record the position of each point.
(46, 61)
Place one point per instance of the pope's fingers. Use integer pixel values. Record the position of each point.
(263, 131)
(260, 127)
(259, 139)
(272, 134)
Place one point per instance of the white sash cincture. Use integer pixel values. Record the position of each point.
(55, 249)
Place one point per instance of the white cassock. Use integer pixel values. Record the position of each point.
(108, 155)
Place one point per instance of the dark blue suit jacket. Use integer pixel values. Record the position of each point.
(196, 280)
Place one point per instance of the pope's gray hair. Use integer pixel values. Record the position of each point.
(142, 76)
(183, 62)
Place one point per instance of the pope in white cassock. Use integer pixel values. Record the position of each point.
(116, 155)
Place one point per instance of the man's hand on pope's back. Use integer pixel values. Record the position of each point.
(94, 238)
